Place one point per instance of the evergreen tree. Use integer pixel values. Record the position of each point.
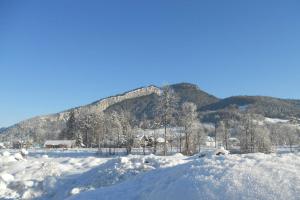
(69, 132)
(79, 140)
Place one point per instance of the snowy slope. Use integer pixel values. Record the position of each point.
(256, 176)
(81, 175)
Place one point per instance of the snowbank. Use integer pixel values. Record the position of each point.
(252, 176)
(38, 177)
(255, 176)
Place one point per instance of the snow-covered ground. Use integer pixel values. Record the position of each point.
(275, 120)
(83, 175)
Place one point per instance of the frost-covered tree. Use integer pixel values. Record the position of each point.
(125, 119)
(121, 129)
(226, 133)
(275, 134)
(254, 136)
(69, 132)
(188, 120)
(85, 126)
(200, 136)
(261, 140)
(217, 128)
(246, 129)
(89, 125)
(290, 135)
(155, 135)
(78, 140)
(166, 111)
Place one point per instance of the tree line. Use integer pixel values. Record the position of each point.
(119, 129)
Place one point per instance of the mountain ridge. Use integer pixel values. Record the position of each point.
(142, 101)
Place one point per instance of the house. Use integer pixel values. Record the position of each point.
(2, 145)
(233, 142)
(210, 141)
(60, 144)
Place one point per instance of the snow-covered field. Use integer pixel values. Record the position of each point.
(83, 175)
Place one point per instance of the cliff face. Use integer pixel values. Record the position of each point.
(51, 125)
(107, 102)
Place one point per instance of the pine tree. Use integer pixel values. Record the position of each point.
(69, 132)
(79, 140)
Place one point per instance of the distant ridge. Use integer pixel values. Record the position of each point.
(142, 102)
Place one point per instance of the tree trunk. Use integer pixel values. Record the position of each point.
(165, 142)
(215, 136)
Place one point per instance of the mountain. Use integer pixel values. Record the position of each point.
(144, 107)
(51, 125)
(142, 103)
(266, 106)
(2, 129)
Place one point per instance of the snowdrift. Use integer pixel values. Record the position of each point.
(81, 177)
(255, 176)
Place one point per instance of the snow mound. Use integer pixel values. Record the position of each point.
(5, 153)
(18, 156)
(221, 151)
(113, 172)
(38, 177)
(255, 176)
(45, 156)
(24, 152)
(7, 178)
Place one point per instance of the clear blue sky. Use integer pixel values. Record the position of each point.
(57, 54)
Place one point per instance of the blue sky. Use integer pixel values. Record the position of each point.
(57, 54)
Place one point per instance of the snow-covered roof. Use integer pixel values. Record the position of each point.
(210, 139)
(2, 145)
(160, 140)
(275, 120)
(60, 142)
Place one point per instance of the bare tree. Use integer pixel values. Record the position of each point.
(254, 136)
(166, 110)
(290, 134)
(126, 136)
(262, 141)
(216, 125)
(200, 135)
(227, 124)
(246, 130)
(188, 120)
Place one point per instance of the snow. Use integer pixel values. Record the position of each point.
(68, 143)
(256, 176)
(7, 178)
(275, 120)
(160, 140)
(221, 151)
(2, 146)
(81, 175)
(18, 156)
(243, 108)
(24, 152)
